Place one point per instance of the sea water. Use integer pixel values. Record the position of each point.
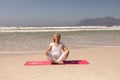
(36, 42)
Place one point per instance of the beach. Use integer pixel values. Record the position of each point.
(101, 48)
(59, 40)
(104, 65)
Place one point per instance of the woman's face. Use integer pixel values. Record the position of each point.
(57, 37)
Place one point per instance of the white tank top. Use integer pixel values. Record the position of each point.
(56, 51)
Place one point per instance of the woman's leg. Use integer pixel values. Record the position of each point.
(62, 57)
(51, 58)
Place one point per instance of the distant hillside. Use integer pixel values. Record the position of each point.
(106, 21)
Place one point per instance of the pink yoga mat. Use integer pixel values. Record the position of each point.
(67, 62)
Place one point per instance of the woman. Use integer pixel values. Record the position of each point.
(57, 52)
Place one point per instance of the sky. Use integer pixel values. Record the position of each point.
(55, 12)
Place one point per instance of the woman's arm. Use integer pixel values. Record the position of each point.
(48, 50)
(65, 50)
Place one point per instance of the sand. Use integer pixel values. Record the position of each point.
(104, 65)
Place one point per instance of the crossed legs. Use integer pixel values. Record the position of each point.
(61, 58)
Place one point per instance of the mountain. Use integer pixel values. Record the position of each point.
(106, 21)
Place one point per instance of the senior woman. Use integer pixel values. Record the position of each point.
(56, 51)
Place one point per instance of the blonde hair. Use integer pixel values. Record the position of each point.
(53, 38)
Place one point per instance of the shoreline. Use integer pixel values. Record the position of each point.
(40, 52)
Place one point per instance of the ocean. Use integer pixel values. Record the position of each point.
(37, 42)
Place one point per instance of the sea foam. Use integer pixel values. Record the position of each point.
(60, 28)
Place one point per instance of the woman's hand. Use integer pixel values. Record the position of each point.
(48, 50)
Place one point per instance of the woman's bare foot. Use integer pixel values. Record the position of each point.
(58, 63)
(61, 62)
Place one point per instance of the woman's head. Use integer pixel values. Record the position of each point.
(56, 37)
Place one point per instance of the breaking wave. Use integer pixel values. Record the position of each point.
(52, 29)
